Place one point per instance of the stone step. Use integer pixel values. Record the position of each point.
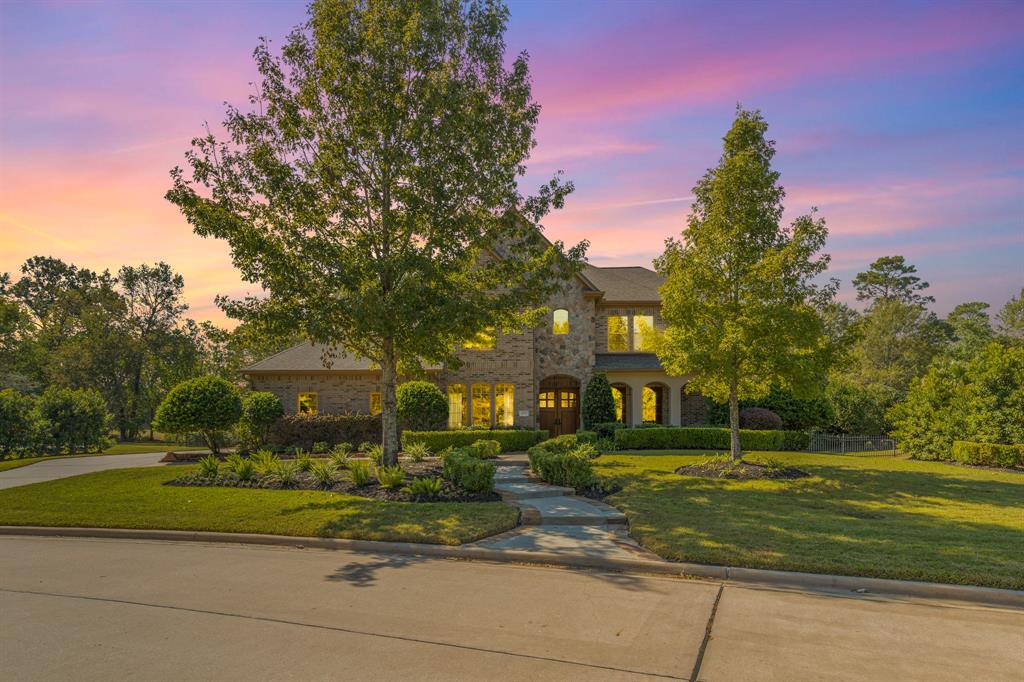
(522, 490)
(568, 511)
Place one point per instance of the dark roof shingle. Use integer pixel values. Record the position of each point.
(626, 284)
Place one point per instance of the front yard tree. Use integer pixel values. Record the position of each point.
(373, 179)
(739, 301)
(205, 405)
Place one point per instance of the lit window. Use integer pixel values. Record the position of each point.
(375, 403)
(483, 340)
(643, 333)
(504, 402)
(546, 399)
(560, 322)
(618, 333)
(617, 397)
(650, 411)
(481, 405)
(567, 399)
(456, 406)
(307, 403)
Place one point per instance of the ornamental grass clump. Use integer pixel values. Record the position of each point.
(209, 467)
(417, 452)
(319, 448)
(324, 472)
(359, 472)
(284, 473)
(264, 461)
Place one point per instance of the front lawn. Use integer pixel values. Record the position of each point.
(136, 498)
(884, 517)
(119, 449)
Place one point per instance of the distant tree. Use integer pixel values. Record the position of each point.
(971, 328)
(891, 278)
(72, 420)
(598, 403)
(19, 425)
(375, 181)
(1011, 318)
(897, 341)
(740, 301)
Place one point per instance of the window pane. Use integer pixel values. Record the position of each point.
(504, 403)
(618, 333)
(643, 332)
(307, 403)
(375, 403)
(482, 341)
(546, 399)
(456, 406)
(481, 405)
(561, 322)
(568, 399)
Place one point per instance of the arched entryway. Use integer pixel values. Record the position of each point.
(655, 403)
(621, 394)
(558, 404)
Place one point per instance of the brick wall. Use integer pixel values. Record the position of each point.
(601, 322)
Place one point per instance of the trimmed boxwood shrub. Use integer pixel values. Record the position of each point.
(421, 406)
(205, 405)
(688, 438)
(559, 463)
(511, 440)
(988, 454)
(19, 427)
(469, 472)
(72, 419)
(301, 431)
(759, 419)
(486, 449)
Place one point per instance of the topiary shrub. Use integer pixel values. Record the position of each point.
(19, 426)
(260, 410)
(759, 419)
(469, 472)
(72, 419)
(421, 406)
(486, 449)
(598, 404)
(558, 464)
(205, 405)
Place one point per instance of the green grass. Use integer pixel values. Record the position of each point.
(135, 498)
(119, 449)
(883, 517)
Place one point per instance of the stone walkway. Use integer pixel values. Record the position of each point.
(555, 520)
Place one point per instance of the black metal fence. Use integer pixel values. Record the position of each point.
(841, 444)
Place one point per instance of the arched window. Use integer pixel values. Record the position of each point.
(560, 320)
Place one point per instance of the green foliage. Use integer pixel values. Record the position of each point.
(285, 473)
(740, 296)
(486, 449)
(303, 460)
(19, 425)
(560, 466)
(971, 329)
(598, 404)
(607, 429)
(359, 472)
(260, 409)
(424, 488)
(604, 445)
(860, 408)
(324, 472)
(303, 431)
(1011, 319)
(981, 399)
(375, 453)
(469, 472)
(586, 436)
(797, 414)
(417, 451)
(340, 453)
(206, 405)
(320, 448)
(74, 420)
(890, 278)
(511, 440)
(364, 447)
(689, 438)
(264, 461)
(391, 477)
(988, 454)
(760, 419)
(421, 406)
(209, 466)
(241, 467)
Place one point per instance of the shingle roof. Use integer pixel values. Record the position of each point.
(621, 284)
(607, 361)
(307, 356)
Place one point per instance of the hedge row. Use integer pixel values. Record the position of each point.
(563, 461)
(469, 472)
(302, 431)
(511, 440)
(688, 438)
(988, 454)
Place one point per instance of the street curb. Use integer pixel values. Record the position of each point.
(815, 581)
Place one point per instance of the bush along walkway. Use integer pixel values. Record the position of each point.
(554, 520)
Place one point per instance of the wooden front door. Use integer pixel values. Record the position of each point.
(559, 409)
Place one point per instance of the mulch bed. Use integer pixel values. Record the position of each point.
(425, 469)
(743, 471)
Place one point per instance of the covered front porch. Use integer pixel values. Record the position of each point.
(653, 397)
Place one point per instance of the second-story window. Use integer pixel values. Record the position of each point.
(643, 333)
(560, 321)
(618, 333)
(483, 340)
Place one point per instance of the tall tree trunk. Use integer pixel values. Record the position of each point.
(389, 402)
(734, 421)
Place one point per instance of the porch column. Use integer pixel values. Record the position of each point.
(636, 404)
(674, 397)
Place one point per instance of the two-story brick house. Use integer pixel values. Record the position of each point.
(600, 322)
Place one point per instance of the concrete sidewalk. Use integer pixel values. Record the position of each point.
(90, 609)
(62, 467)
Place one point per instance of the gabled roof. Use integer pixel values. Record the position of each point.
(631, 284)
(308, 357)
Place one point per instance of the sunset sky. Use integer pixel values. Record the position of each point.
(900, 121)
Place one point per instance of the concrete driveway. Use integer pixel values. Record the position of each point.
(91, 609)
(62, 467)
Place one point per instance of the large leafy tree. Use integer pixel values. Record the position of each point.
(1011, 318)
(371, 189)
(739, 299)
(891, 278)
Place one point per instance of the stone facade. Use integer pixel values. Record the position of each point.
(569, 354)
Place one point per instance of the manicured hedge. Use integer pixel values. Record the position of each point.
(563, 461)
(687, 438)
(468, 471)
(988, 454)
(302, 431)
(511, 440)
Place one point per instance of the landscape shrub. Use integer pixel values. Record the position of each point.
(559, 466)
(391, 477)
(697, 438)
(797, 414)
(511, 440)
(320, 448)
(586, 436)
(607, 429)
(359, 472)
(324, 472)
(486, 449)
(72, 419)
(264, 461)
(260, 410)
(424, 488)
(19, 426)
(469, 472)
(598, 404)
(421, 406)
(417, 451)
(206, 405)
(303, 460)
(303, 430)
(286, 473)
(988, 454)
(209, 466)
(760, 419)
(375, 453)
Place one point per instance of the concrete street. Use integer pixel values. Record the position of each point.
(91, 609)
(62, 467)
